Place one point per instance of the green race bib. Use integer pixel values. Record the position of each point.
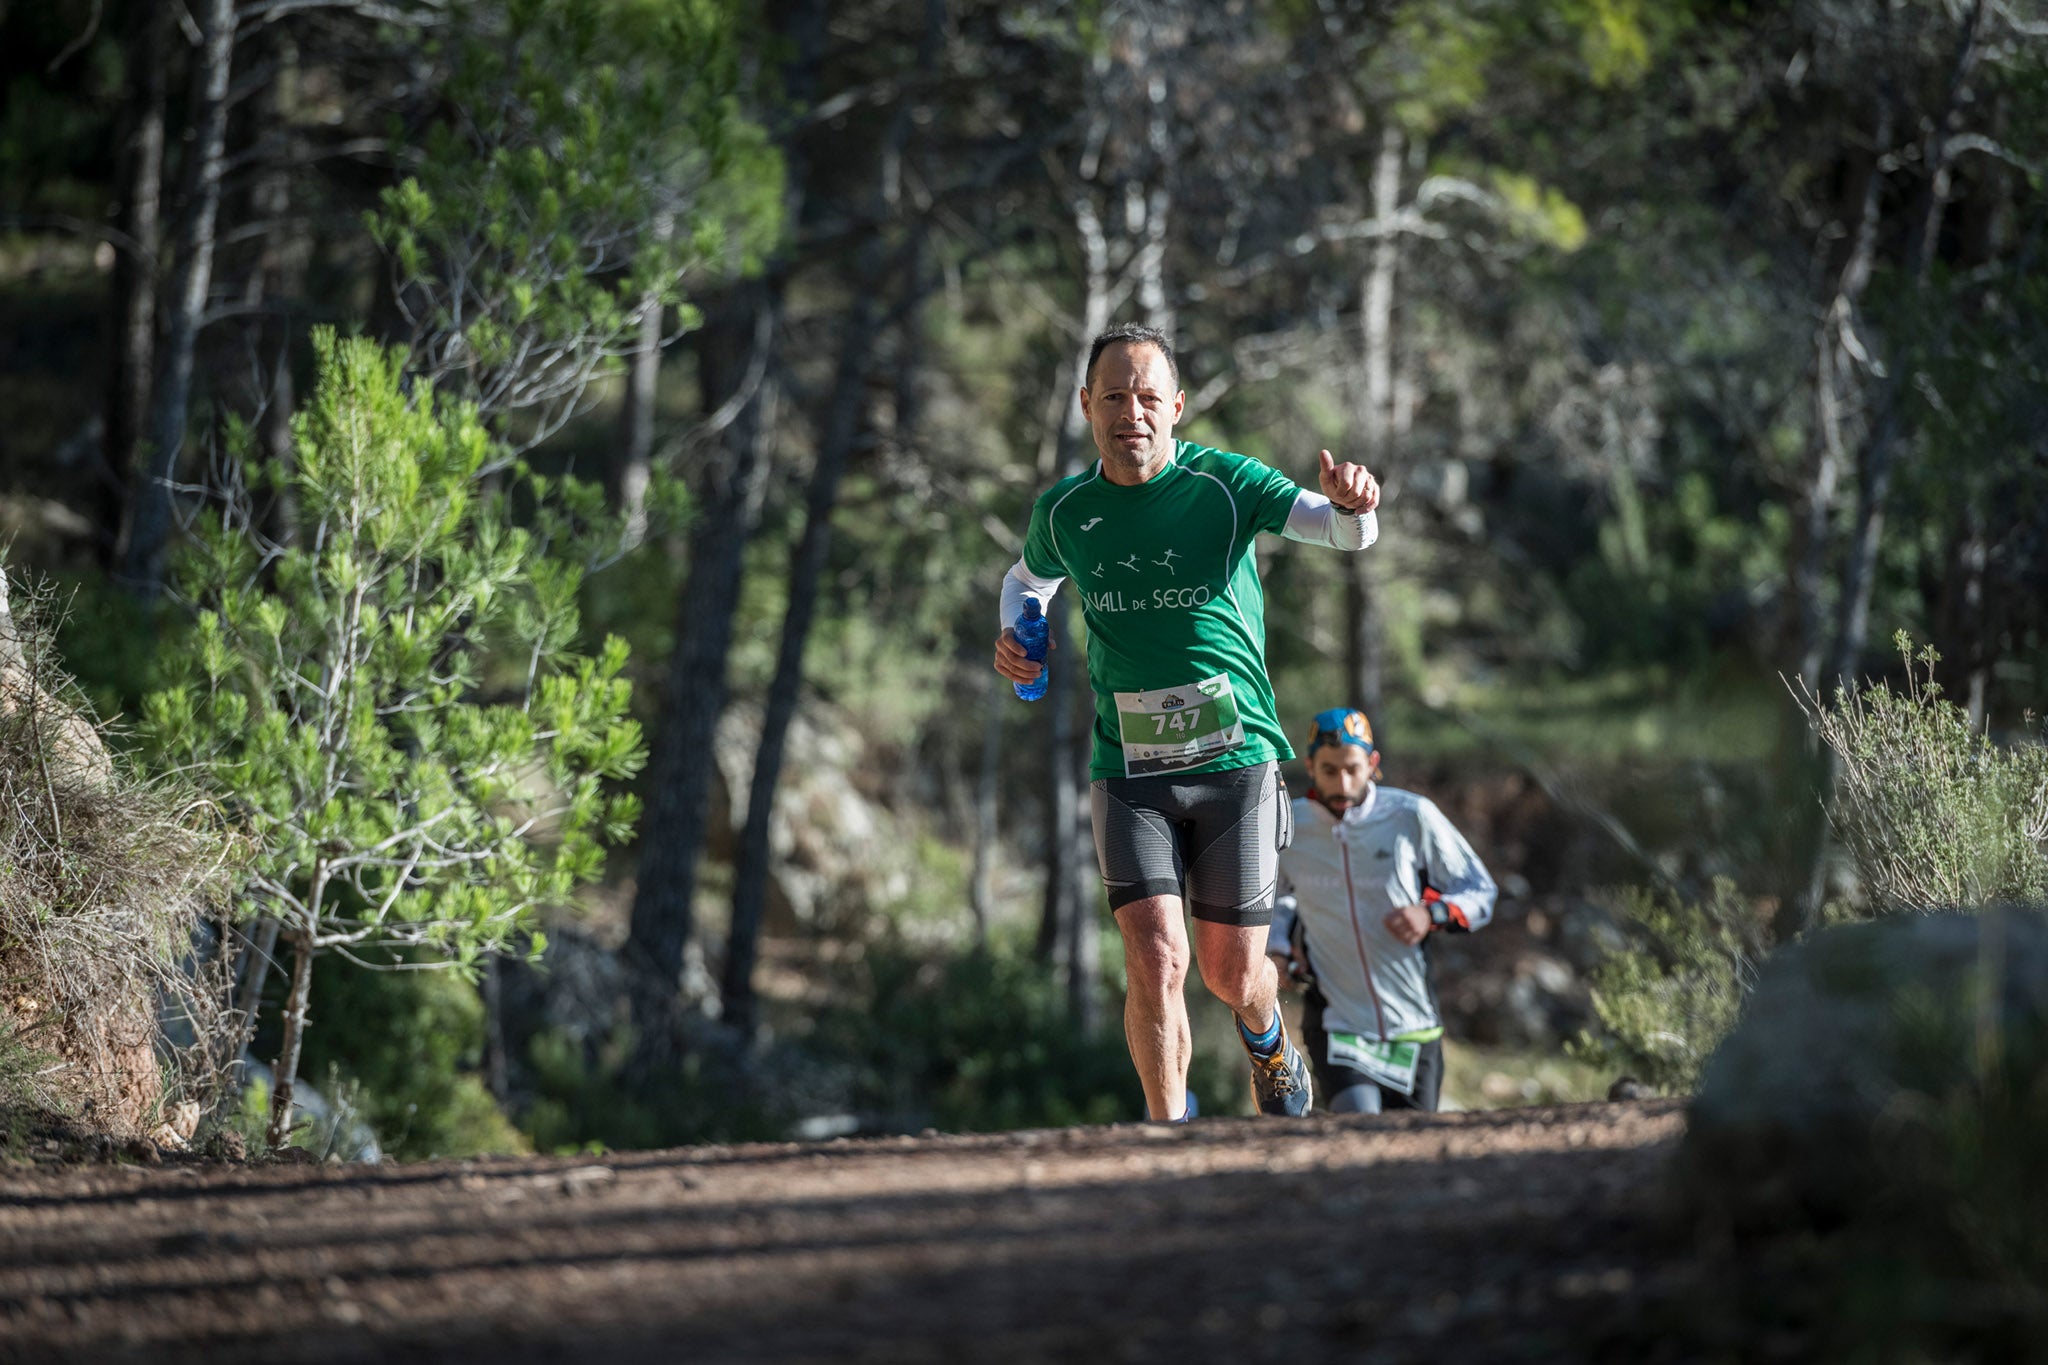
(1389, 1064)
(1172, 728)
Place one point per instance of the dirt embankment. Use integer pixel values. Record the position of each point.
(1506, 1235)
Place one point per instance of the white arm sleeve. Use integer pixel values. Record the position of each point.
(1315, 520)
(1018, 584)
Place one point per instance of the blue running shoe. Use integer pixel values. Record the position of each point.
(1280, 1083)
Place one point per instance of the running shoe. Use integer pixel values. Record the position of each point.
(1280, 1083)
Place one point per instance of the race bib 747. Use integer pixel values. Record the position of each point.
(1175, 728)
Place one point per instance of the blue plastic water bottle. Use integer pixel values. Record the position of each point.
(1034, 632)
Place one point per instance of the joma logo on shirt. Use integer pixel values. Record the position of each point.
(1161, 599)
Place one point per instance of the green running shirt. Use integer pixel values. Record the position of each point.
(1169, 587)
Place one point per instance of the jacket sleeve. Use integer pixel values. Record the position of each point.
(1453, 871)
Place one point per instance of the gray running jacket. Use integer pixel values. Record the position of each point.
(1340, 878)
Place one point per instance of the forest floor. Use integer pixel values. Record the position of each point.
(1523, 1234)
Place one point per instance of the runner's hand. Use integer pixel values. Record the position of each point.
(1010, 660)
(1351, 486)
(1410, 924)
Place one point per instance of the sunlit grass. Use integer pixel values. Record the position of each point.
(1623, 715)
(1478, 1077)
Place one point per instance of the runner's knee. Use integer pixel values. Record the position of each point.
(1234, 963)
(1155, 948)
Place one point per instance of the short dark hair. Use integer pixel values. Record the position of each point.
(1130, 334)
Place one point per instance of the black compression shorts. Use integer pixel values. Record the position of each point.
(1213, 839)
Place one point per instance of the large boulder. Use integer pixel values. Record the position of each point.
(1859, 1048)
(837, 852)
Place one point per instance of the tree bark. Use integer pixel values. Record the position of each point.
(277, 279)
(636, 414)
(149, 509)
(842, 431)
(1875, 467)
(1364, 665)
(131, 356)
(1064, 939)
(980, 881)
(1833, 365)
(285, 1074)
(734, 349)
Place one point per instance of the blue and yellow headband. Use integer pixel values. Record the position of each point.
(1339, 725)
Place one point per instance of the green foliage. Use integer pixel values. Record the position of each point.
(1668, 560)
(596, 155)
(413, 1078)
(979, 1041)
(1669, 998)
(587, 1099)
(390, 701)
(1933, 814)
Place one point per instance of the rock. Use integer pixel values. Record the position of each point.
(837, 852)
(226, 1145)
(1851, 1035)
(1629, 1088)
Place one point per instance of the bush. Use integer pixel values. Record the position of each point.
(413, 1058)
(977, 1041)
(391, 696)
(1669, 998)
(1931, 812)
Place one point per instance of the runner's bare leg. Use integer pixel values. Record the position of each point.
(1155, 1009)
(1237, 971)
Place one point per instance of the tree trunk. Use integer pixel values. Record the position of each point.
(980, 882)
(149, 509)
(257, 956)
(1961, 614)
(131, 356)
(636, 414)
(1875, 468)
(1834, 364)
(1067, 926)
(841, 432)
(285, 1074)
(277, 279)
(734, 350)
(1364, 665)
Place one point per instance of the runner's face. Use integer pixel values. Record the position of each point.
(1131, 407)
(1342, 773)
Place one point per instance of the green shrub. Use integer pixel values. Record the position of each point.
(411, 1050)
(1932, 813)
(978, 1041)
(1667, 1000)
(392, 699)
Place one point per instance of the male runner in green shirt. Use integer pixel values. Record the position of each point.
(1185, 790)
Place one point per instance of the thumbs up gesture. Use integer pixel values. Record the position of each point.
(1351, 486)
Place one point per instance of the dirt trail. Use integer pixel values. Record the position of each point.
(1507, 1235)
